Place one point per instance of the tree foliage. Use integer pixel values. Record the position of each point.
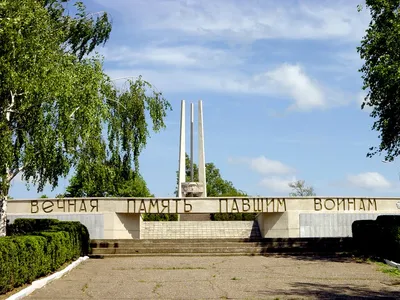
(216, 185)
(106, 183)
(380, 50)
(58, 109)
(299, 189)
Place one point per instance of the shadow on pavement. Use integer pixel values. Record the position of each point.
(331, 291)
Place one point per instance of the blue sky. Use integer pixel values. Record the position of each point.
(280, 88)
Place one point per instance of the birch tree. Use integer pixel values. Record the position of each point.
(56, 101)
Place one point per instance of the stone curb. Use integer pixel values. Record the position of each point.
(38, 284)
(392, 263)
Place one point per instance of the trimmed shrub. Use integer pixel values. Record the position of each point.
(25, 226)
(23, 258)
(378, 238)
(233, 217)
(160, 217)
(366, 236)
(389, 237)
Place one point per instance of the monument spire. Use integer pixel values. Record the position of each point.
(192, 189)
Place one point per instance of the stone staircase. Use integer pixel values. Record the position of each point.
(200, 230)
(220, 247)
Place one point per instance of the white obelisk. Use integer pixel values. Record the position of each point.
(182, 151)
(202, 159)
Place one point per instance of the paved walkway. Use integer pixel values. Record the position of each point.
(222, 278)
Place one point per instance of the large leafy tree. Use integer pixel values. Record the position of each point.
(106, 182)
(56, 102)
(380, 50)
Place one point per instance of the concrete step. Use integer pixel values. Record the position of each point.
(232, 250)
(202, 245)
(262, 246)
(286, 254)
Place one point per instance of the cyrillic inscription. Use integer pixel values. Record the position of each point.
(345, 204)
(64, 206)
(242, 205)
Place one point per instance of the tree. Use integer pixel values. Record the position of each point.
(56, 102)
(380, 50)
(299, 189)
(110, 185)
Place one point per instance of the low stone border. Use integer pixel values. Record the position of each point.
(38, 284)
(392, 263)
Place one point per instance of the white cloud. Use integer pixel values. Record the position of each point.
(287, 81)
(247, 20)
(178, 56)
(291, 80)
(264, 165)
(369, 181)
(277, 184)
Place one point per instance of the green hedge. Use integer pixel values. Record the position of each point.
(378, 238)
(37, 247)
(160, 217)
(233, 217)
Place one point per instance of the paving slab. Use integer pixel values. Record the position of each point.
(227, 277)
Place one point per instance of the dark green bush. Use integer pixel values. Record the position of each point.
(233, 217)
(160, 217)
(378, 238)
(23, 258)
(390, 237)
(25, 226)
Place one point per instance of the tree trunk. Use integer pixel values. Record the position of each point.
(3, 215)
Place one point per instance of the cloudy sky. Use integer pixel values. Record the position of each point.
(279, 83)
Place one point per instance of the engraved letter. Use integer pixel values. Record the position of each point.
(176, 204)
(281, 202)
(34, 207)
(83, 206)
(154, 204)
(317, 204)
(258, 207)
(271, 201)
(187, 204)
(245, 205)
(47, 206)
(142, 206)
(63, 205)
(94, 204)
(165, 205)
(220, 205)
(340, 202)
(373, 203)
(351, 201)
(235, 207)
(362, 204)
(329, 204)
(71, 203)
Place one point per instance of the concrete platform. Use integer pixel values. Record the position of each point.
(239, 277)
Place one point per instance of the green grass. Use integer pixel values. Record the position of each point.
(392, 271)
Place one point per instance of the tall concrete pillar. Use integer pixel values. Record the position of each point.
(202, 159)
(182, 151)
(191, 140)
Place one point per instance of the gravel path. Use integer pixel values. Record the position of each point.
(232, 277)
